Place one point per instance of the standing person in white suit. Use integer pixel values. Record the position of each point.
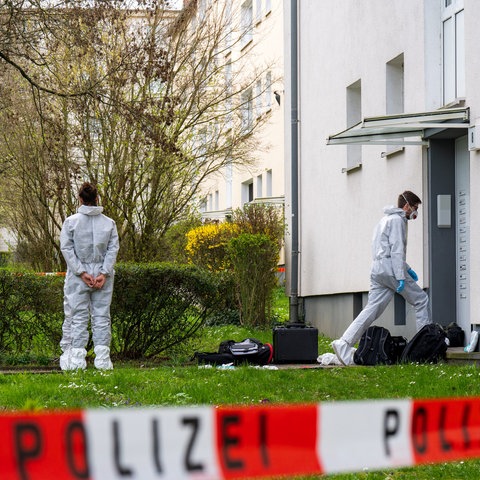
(89, 244)
(390, 273)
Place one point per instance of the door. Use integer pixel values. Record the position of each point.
(442, 231)
(449, 239)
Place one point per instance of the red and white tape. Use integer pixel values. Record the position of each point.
(52, 274)
(237, 442)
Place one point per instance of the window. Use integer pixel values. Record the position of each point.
(258, 11)
(269, 183)
(258, 98)
(228, 18)
(394, 87)
(268, 90)
(94, 129)
(202, 8)
(247, 23)
(216, 203)
(259, 187)
(268, 6)
(453, 51)
(228, 185)
(202, 142)
(228, 101)
(247, 191)
(247, 110)
(354, 116)
(395, 95)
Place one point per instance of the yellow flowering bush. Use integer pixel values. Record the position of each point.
(207, 245)
(247, 251)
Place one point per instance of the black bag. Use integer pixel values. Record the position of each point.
(427, 346)
(376, 347)
(399, 344)
(455, 335)
(211, 358)
(249, 350)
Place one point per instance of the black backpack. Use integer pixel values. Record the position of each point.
(427, 346)
(455, 335)
(250, 351)
(377, 347)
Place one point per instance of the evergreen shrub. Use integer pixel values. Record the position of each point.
(254, 258)
(159, 306)
(31, 312)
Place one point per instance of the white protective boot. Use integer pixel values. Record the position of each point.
(73, 359)
(343, 351)
(65, 359)
(102, 358)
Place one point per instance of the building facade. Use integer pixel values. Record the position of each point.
(387, 101)
(256, 37)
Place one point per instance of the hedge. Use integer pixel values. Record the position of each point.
(154, 307)
(158, 306)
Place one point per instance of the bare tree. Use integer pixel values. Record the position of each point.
(162, 109)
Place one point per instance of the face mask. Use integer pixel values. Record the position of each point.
(412, 215)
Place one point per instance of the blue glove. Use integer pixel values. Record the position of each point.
(412, 274)
(401, 285)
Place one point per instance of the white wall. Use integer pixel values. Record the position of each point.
(342, 41)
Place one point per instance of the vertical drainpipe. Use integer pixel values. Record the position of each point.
(294, 304)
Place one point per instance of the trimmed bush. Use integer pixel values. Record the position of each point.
(158, 306)
(31, 312)
(254, 258)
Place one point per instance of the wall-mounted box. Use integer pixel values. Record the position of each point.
(474, 137)
(444, 211)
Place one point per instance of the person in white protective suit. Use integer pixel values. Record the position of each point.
(89, 244)
(390, 273)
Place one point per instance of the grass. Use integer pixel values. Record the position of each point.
(188, 385)
(183, 383)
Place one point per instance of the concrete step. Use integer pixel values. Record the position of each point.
(457, 355)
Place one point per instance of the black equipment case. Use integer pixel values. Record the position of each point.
(295, 343)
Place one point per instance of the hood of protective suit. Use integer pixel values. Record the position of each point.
(90, 210)
(390, 210)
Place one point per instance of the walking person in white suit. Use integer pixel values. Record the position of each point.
(390, 273)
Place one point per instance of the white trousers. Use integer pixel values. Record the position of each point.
(82, 303)
(382, 290)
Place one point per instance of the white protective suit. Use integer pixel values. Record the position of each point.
(389, 266)
(89, 243)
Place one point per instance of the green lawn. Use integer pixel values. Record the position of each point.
(139, 387)
(182, 382)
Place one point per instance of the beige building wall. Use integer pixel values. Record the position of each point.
(263, 180)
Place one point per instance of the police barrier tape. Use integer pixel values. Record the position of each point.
(237, 442)
(52, 274)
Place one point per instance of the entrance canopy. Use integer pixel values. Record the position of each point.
(394, 129)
